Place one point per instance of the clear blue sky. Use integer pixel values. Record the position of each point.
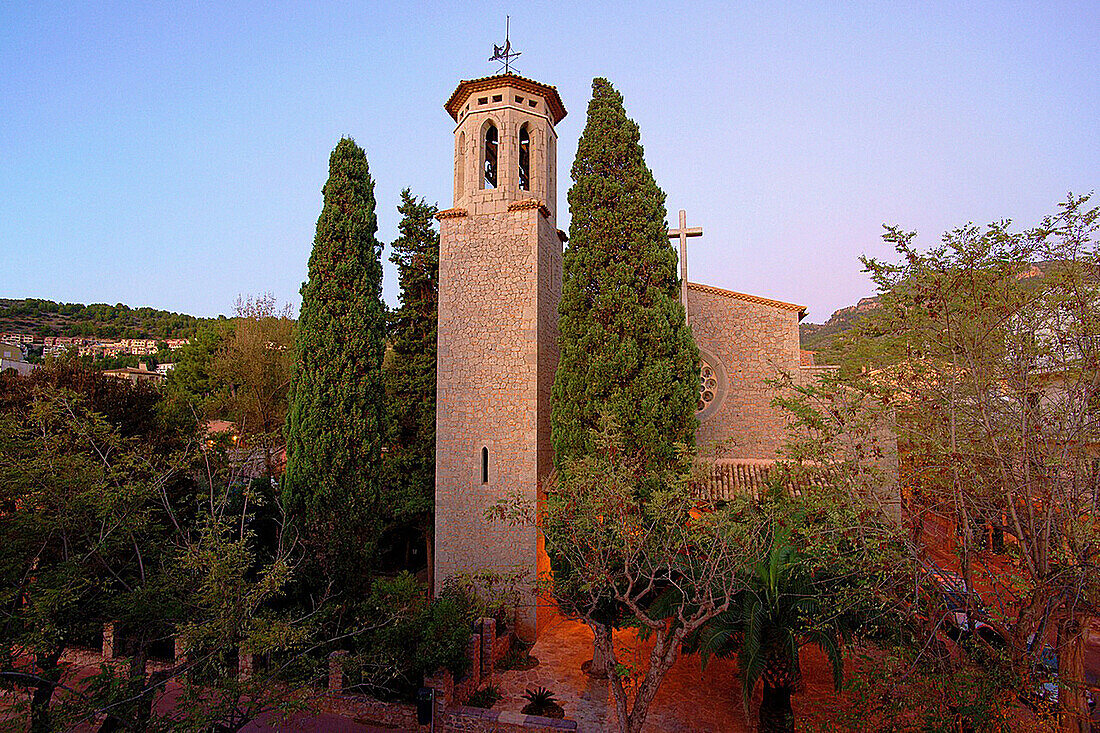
(172, 154)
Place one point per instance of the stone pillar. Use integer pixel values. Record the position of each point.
(179, 650)
(246, 665)
(488, 646)
(336, 671)
(112, 640)
(443, 682)
(473, 653)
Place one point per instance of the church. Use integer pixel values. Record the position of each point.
(500, 280)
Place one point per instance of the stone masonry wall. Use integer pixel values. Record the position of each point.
(752, 340)
(500, 281)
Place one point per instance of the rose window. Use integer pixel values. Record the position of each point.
(708, 386)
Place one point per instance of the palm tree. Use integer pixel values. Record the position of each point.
(769, 621)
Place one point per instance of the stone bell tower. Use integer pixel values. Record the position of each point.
(500, 269)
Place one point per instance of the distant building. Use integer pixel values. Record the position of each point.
(11, 352)
(165, 368)
(19, 367)
(141, 373)
(12, 357)
(17, 338)
(177, 343)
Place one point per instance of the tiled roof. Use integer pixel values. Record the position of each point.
(728, 478)
(466, 87)
(750, 298)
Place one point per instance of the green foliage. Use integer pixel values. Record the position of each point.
(409, 370)
(405, 636)
(898, 688)
(625, 545)
(444, 635)
(540, 697)
(542, 702)
(626, 350)
(335, 418)
(989, 345)
(252, 368)
(114, 510)
(486, 697)
(193, 380)
(768, 622)
(84, 482)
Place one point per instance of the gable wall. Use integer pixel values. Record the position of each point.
(752, 342)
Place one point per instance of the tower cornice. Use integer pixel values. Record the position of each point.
(468, 87)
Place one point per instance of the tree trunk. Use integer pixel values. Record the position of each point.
(1071, 676)
(600, 665)
(661, 659)
(776, 715)
(43, 691)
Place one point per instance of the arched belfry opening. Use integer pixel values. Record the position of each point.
(525, 157)
(490, 155)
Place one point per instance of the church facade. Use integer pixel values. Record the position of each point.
(500, 276)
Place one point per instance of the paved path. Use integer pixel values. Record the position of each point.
(689, 700)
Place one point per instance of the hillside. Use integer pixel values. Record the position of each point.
(821, 337)
(47, 318)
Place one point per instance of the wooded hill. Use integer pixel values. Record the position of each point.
(822, 337)
(98, 320)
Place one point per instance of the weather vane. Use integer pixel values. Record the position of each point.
(504, 54)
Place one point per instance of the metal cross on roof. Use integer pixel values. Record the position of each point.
(682, 234)
(504, 54)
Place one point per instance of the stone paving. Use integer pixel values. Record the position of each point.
(690, 699)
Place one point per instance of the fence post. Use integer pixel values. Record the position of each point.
(488, 646)
(336, 671)
(112, 640)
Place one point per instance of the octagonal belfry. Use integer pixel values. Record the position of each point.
(500, 270)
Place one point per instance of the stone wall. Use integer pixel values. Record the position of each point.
(751, 340)
(402, 716)
(500, 283)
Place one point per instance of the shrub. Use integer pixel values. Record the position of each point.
(486, 697)
(542, 702)
(408, 636)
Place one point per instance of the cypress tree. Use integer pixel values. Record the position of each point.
(626, 350)
(334, 423)
(410, 371)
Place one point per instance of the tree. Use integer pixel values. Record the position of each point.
(660, 557)
(772, 618)
(254, 364)
(410, 372)
(335, 418)
(192, 381)
(114, 510)
(626, 350)
(990, 343)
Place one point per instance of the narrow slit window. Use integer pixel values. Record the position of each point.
(524, 158)
(491, 145)
(484, 465)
